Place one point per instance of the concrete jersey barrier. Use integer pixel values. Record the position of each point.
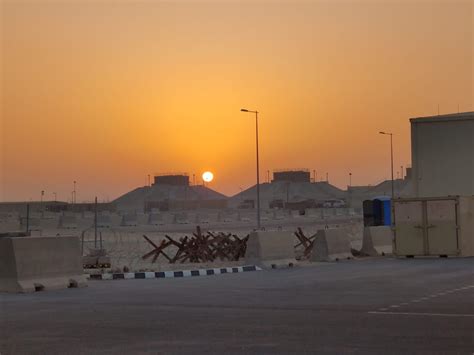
(29, 264)
(155, 219)
(270, 249)
(129, 220)
(67, 222)
(331, 245)
(377, 240)
(104, 221)
(181, 218)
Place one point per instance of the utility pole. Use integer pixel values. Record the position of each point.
(27, 219)
(74, 193)
(258, 164)
(95, 223)
(391, 160)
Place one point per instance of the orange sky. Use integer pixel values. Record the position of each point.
(107, 92)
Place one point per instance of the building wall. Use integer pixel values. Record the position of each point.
(174, 180)
(443, 155)
(293, 176)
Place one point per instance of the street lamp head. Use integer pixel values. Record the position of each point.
(246, 110)
(382, 133)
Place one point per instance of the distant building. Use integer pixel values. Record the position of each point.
(292, 176)
(170, 196)
(53, 206)
(173, 180)
(443, 155)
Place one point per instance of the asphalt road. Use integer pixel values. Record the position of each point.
(377, 306)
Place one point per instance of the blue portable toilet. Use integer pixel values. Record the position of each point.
(383, 211)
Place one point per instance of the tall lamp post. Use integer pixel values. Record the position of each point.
(74, 192)
(258, 164)
(391, 159)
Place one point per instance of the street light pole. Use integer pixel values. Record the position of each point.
(258, 164)
(391, 159)
(74, 193)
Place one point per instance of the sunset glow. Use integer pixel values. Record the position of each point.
(208, 176)
(108, 92)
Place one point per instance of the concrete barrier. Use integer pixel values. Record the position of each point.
(331, 245)
(244, 218)
(129, 220)
(271, 249)
(142, 219)
(327, 212)
(225, 217)
(88, 214)
(377, 241)
(29, 264)
(181, 218)
(312, 213)
(155, 219)
(34, 223)
(104, 221)
(67, 222)
(279, 215)
(296, 214)
(48, 215)
(202, 218)
(10, 224)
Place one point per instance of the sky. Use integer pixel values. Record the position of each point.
(107, 92)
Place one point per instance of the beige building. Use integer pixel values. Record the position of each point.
(443, 155)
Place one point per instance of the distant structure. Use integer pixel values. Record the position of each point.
(172, 179)
(443, 155)
(170, 192)
(289, 189)
(357, 194)
(53, 206)
(300, 175)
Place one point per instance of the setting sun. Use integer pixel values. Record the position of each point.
(208, 176)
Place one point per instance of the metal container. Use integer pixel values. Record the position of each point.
(434, 226)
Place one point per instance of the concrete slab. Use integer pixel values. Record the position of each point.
(377, 240)
(29, 264)
(271, 249)
(331, 244)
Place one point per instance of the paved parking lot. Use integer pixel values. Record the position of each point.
(361, 306)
